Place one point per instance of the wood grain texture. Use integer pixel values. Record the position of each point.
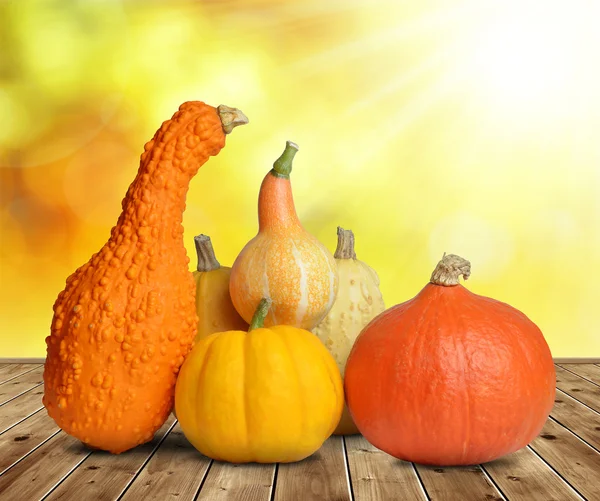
(37, 474)
(10, 371)
(26, 436)
(464, 483)
(316, 478)
(578, 388)
(574, 460)
(24, 382)
(576, 360)
(228, 482)
(21, 407)
(522, 476)
(104, 476)
(578, 418)
(590, 372)
(377, 476)
(174, 472)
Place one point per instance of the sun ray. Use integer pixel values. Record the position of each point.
(401, 81)
(381, 40)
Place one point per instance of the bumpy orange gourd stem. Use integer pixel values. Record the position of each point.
(127, 318)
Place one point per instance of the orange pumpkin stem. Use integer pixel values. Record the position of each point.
(276, 208)
(207, 261)
(449, 269)
(258, 320)
(345, 245)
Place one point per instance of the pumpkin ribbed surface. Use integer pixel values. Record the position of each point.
(450, 377)
(269, 395)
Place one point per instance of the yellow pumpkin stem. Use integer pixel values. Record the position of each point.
(449, 269)
(345, 245)
(258, 320)
(207, 261)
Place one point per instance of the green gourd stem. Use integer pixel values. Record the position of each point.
(207, 261)
(345, 245)
(283, 165)
(449, 269)
(258, 320)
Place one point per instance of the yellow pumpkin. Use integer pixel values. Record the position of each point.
(283, 261)
(358, 301)
(267, 395)
(213, 302)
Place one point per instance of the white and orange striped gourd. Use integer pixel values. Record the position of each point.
(283, 261)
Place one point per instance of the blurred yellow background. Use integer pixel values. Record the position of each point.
(469, 127)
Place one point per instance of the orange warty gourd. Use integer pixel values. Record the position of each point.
(127, 319)
(283, 261)
(213, 302)
(450, 377)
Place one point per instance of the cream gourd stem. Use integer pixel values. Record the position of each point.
(345, 244)
(449, 269)
(207, 261)
(258, 320)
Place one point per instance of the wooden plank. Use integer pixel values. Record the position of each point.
(247, 482)
(578, 418)
(22, 360)
(21, 384)
(21, 407)
(175, 471)
(578, 388)
(378, 476)
(37, 474)
(320, 476)
(590, 372)
(576, 360)
(573, 459)
(26, 436)
(467, 483)
(105, 476)
(523, 476)
(10, 371)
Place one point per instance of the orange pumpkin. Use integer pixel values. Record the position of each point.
(127, 318)
(450, 377)
(283, 261)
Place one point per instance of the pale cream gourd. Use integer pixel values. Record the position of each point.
(358, 301)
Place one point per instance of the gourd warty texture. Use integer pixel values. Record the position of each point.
(127, 318)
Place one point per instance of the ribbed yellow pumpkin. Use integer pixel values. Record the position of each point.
(213, 302)
(268, 395)
(358, 301)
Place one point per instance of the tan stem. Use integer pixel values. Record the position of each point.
(449, 269)
(207, 261)
(231, 118)
(345, 245)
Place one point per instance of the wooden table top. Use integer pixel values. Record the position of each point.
(39, 461)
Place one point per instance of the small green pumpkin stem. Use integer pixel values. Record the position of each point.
(207, 261)
(283, 165)
(345, 245)
(449, 269)
(258, 320)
